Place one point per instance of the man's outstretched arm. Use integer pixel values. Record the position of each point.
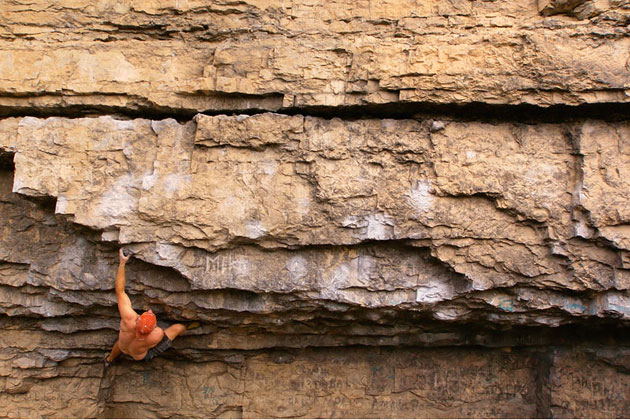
(124, 303)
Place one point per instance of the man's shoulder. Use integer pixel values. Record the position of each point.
(128, 324)
(156, 336)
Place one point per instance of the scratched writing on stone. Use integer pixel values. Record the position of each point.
(435, 381)
(227, 266)
(398, 404)
(224, 264)
(609, 390)
(587, 391)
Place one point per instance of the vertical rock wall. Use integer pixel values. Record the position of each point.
(375, 209)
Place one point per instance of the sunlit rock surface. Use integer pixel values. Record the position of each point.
(375, 209)
(268, 54)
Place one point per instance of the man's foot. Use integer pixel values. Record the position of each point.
(106, 362)
(193, 325)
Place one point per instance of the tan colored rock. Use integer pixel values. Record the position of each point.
(500, 210)
(380, 384)
(322, 382)
(438, 224)
(581, 9)
(606, 175)
(187, 58)
(590, 384)
(41, 358)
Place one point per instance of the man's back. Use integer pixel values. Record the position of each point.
(136, 345)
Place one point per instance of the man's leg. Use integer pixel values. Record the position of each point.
(114, 354)
(176, 330)
(170, 333)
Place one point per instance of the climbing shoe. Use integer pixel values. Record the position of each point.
(107, 363)
(193, 325)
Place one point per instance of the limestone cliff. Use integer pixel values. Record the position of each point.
(375, 209)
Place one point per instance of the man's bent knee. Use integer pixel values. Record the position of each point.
(174, 331)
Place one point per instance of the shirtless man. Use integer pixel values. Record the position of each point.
(139, 336)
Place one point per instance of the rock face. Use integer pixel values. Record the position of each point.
(375, 209)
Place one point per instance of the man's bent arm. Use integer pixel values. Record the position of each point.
(124, 303)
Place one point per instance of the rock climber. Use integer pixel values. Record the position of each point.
(139, 336)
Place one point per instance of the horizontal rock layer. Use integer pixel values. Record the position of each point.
(524, 224)
(188, 56)
(386, 382)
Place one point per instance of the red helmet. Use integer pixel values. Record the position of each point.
(146, 323)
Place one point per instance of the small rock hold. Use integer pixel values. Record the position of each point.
(437, 126)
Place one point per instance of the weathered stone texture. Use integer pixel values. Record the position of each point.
(505, 209)
(375, 208)
(198, 197)
(194, 56)
(596, 388)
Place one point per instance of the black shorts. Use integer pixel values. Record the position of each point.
(160, 347)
